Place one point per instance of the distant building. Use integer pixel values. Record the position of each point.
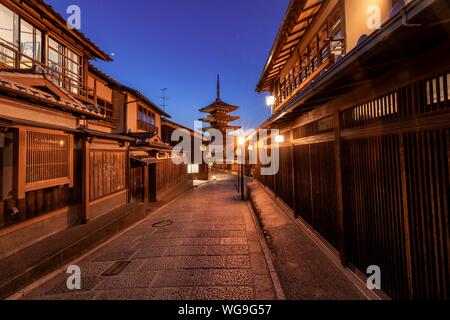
(197, 168)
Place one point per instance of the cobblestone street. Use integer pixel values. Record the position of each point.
(203, 246)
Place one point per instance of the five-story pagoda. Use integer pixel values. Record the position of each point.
(219, 116)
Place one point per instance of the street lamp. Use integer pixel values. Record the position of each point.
(270, 102)
(279, 139)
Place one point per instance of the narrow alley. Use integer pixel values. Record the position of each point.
(203, 246)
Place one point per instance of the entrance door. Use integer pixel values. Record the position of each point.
(137, 184)
(152, 182)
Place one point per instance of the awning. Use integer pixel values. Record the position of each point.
(104, 135)
(144, 161)
(142, 157)
(153, 146)
(19, 85)
(142, 136)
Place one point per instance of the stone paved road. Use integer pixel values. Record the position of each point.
(211, 251)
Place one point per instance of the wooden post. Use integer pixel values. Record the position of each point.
(128, 175)
(20, 168)
(294, 187)
(406, 218)
(339, 191)
(85, 184)
(146, 185)
(71, 160)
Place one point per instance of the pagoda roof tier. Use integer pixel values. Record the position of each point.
(222, 128)
(219, 105)
(220, 117)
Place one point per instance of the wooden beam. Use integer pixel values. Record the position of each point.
(146, 185)
(339, 190)
(85, 184)
(20, 168)
(294, 189)
(408, 251)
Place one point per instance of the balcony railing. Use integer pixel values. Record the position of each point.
(148, 127)
(108, 122)
(325, 57)
(12, 58)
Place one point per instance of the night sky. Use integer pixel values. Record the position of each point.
(182, 45)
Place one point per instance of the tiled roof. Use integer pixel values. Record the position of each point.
(25, 92)
(100, 53)
(134, 92)
(217, 105)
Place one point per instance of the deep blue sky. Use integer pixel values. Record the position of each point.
(182, 45)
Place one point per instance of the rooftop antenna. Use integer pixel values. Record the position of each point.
(164, 99)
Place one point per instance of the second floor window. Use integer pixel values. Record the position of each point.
(20, 42)
(146, 118)
(106, 108)
(65, 66)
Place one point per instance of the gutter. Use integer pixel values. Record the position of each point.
(104, 135)
(11, 122)
(8, 122)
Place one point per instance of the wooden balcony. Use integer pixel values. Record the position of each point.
(319, 63)
(145, 126)
(12, 59)
(108, 122)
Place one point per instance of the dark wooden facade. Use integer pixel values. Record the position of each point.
(367, 165)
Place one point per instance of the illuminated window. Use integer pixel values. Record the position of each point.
(65, 66)
(48, 159)
(18, 36)
(146, 119)
(193, 168)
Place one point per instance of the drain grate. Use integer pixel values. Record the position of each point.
(116, 268)
(163, 224)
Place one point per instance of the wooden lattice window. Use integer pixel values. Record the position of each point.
(45, 159)
(107, 173)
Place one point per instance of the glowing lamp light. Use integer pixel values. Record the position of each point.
(241, 141)
(279, 139)
(270, 101)
(250, 148)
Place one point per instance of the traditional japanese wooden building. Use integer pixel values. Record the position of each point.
(75, 144)
(366, 123)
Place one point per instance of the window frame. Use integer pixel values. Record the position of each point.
(64, 75)
(146, 112)
(18, 55)
(22, 186)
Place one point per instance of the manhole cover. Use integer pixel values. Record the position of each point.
(116, 268)
(163, 224)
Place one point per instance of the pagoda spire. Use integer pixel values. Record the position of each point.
(218, 87)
